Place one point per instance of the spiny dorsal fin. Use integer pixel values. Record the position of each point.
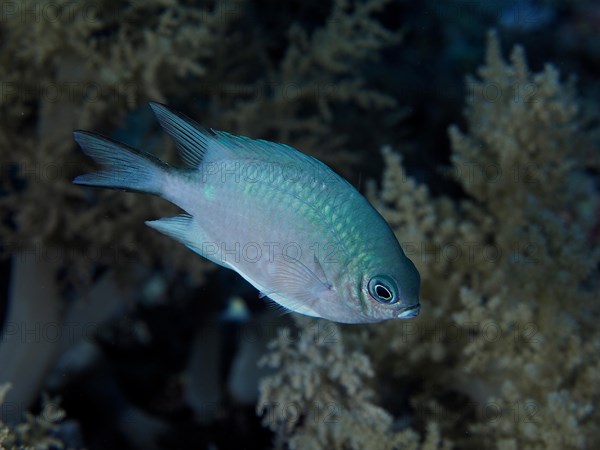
(197, 144)
(192, 141)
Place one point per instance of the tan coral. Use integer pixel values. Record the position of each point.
(509, 279)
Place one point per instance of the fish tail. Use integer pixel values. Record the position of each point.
(124, 167)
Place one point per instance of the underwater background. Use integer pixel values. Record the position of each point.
(471, 125)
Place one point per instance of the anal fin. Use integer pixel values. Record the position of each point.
(184, 229)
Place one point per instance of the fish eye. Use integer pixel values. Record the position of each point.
(383, 289)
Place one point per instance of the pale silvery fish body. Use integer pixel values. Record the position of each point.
(284, 221)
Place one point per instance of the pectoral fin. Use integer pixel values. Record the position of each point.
(295, 286)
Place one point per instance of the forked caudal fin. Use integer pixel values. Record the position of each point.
(124, 166)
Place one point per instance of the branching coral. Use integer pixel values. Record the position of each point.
(293, 103)
(68, 65)
(93, 65)
(504, 354)
(543, 286)
(319, 397)
(512, 268)
(36, 432)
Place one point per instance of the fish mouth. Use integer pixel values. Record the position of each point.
(409, 312)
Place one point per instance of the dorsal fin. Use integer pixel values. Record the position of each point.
(261, 149)
(256, 146)
(192, 140)
(197, 145)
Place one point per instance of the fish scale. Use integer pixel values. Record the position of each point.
(287, 223)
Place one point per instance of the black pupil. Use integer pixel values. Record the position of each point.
(383, 292)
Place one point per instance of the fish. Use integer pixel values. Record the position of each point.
(301, 234)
